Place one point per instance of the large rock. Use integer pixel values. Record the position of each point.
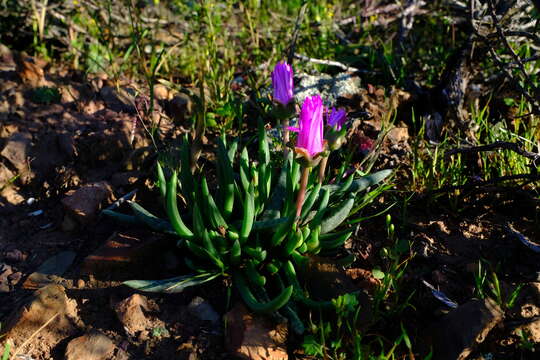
(44, 320)
(253, 337)
(84, 203)
(457, 334)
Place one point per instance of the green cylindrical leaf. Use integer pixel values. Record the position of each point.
(258, 307)
(214, 215)
(310, 201)
(162, 183)
(249, 214)
(172, 209)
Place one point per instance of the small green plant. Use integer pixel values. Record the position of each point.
(335, 339)
(340, 337)
(490, 286)
(525, 341)
(7, 347)
(160, 332)
(395, 258)
(46, 95)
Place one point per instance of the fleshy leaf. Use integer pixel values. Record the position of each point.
(172, 285)
(338, 215)
(150, 220)
(267, 224)
(362, 183)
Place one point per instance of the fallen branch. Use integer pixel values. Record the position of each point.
(330, 63)
(515, 147)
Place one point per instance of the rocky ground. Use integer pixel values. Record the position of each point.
(61, 263)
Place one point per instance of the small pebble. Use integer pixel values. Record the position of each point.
(80, 283)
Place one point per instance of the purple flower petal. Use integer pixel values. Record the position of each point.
(336, 118)
(282, 82)
(310, 134)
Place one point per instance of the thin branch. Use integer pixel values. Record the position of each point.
(469, 186)
(513, 33)
(509, 48)
(292, 47)
(330, 63)
(515, 147)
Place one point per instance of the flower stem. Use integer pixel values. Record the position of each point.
(302, 192)
(285, 130)
(322, 169)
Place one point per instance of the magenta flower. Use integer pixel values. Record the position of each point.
(282, 82)
(336, 118)
(310, 126)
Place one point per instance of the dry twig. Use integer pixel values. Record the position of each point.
(330, 63)
(515, 147)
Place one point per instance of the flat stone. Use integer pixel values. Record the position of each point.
(17, 150)
(51, 271)
(125, 256)
(84, 203)
(457, 334)
(253, 337)
(330, 88)
(48, 307)
(92, 346)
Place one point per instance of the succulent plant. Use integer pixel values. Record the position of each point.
(247, 228)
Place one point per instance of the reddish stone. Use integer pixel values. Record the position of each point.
(125, 256)
(92, 346)
(130, 312)
(84, 203)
